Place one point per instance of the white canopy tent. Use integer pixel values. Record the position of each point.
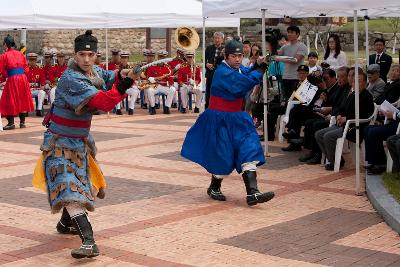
(309, 8)
(89, 14)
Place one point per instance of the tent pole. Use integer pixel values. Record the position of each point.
(23, 37)
(108, 113)
(238, 30)
(265, 93)
(366, 18)
(203, 75)
(357, 107)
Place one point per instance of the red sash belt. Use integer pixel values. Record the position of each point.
(222, 104)
(70, 123)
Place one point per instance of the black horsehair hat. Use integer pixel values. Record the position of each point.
(86, 42)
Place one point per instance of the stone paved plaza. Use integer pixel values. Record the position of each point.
(156, 211)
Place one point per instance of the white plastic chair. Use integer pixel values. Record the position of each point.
(284, 119)
(1, 123)
(340, 140)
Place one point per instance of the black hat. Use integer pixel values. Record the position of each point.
(9, 41)
(303, 68)
(86, 42)
(234, 46)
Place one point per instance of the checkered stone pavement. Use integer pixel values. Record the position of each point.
(156, 211)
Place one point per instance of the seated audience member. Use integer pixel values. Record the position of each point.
(299, 114)
(392, 88)
(393, 145)
(326, 138)
(335, 100)
(376, 85)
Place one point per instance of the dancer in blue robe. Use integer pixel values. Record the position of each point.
(224, 137)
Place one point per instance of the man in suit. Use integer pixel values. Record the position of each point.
(381, 58)
(391, 92)
(214, 57)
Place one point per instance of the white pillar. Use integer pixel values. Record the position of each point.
(106, 49)
(308, 44)
(238, 30)
(366, 19)
(265, 93)
(357, 104)
(23, 37)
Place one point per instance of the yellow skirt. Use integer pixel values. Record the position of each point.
(95, 175)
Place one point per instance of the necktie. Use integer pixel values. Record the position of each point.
(378, 59)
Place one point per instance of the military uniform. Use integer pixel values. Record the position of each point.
(189, 78)
(114, 63)
(56, 73)
(133, 92)
(37, 80)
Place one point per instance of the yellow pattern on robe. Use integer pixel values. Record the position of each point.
(95, 175)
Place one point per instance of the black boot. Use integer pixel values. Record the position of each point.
(254, 195)
(152, 110)
(39, 113)
(157, 106)
(130, 111)
(174, 105)
(214, 191)
(118, 112)
(88, 249)
(10, 125)
(196, 110)
(183, 110)
(316, 159)
(64, 226)
(22, 120)
(166, 110)
(144, 106)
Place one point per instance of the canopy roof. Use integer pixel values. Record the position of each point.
(299, 8)
(56, 14)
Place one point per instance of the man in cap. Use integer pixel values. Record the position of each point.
(376, 85)
(132, 92)
(57, 71)
(48, 67)
(97, 62)
(161, 75)
(189, 78)
(69, 149)
(223, 137)
(36, 78)
(115, 59)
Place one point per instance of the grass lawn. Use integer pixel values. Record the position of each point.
(392, 183)
(374, 25)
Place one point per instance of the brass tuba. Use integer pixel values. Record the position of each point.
(187, 38)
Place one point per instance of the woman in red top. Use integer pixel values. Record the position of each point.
(16, 98)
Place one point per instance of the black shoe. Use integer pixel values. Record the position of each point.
(292, 147)
(144, 106)
(196, 110)
(291, 134)
(9, 127)
(306, 157)
(329, 166)
(174, 105)
(96, 113)
(376, 170)
(39, 113)
(157, 106)
(45, 102)
(64, 226)
(262, 138)
(130, 111)
(183, 110)
(316, 159)
(254, 196)
(22, 125)
(166, 110)
(214, 191)
(296, 141)
(88, 249)
(152, 110)
(118, 112)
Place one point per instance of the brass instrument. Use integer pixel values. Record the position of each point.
(187, 38)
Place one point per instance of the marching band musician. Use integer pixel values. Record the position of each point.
(175, 64)
(47, 67)
(223, 137)
(67, 169)
(115, 59)
(189, 77)
(36, 78)
(161, 75)
(132, 92)
(16, 97)
(57, 71)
